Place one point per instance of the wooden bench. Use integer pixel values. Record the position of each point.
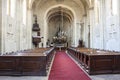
(97, 61)
(26, 63)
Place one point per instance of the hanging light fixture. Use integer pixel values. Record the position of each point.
(60, 37)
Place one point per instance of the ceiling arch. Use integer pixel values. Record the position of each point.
(55, 10)
(58, 12)
(86, 3)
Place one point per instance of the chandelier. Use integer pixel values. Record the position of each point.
(60, 36)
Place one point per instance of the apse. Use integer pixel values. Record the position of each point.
(60, 19)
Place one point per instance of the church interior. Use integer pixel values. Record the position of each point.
(59, 40)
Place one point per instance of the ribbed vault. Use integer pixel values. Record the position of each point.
(86, 3)
(50, 11)
(60, 11)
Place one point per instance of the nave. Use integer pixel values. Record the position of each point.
(29, 28)
(62, 67)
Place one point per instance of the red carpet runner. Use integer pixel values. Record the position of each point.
(64, 68)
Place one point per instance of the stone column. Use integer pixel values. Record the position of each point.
(74, 35)
(119, 21)
(3, 26)
(29, 28)
(45, 32)
(77, 34)
(103, 21)
(82, 30)
(18, 24)
(85, 33)
(0, 26)
(91, 26)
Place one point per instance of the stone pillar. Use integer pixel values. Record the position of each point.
(103, 21)
(119, 20)
(29, 28)
(0, 26)
(82, 30)
(85, 33)
(45, 33)
(77, 34)
(91, 26)
(18, 24)
(74, 35)
(89, 37)
(3, 26)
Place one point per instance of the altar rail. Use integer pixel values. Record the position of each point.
(96, 61)
(34, 62)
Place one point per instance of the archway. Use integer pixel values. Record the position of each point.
(60, 18)
(72, 14)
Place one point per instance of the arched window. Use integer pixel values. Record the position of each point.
(24, 11)
(97, 11)
(8, 7)
(114, 7)
(90, 2)
(11, 4)
(30, 2)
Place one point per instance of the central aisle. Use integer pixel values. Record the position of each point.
(64, 68)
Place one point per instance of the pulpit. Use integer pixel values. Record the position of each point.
(36, 38)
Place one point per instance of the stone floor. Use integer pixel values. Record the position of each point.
(22, 78)
(106, 77)
(93, 77)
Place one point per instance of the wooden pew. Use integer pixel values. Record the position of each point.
(26, 63)
(97, 61)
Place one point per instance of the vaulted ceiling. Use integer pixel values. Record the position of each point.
(59, 11)
(81, 6)
(85, 3)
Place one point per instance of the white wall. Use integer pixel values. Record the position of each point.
(112, 30)
(105, 34)
(15, 34)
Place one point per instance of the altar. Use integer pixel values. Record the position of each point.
(60, 38)
(60, 46)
